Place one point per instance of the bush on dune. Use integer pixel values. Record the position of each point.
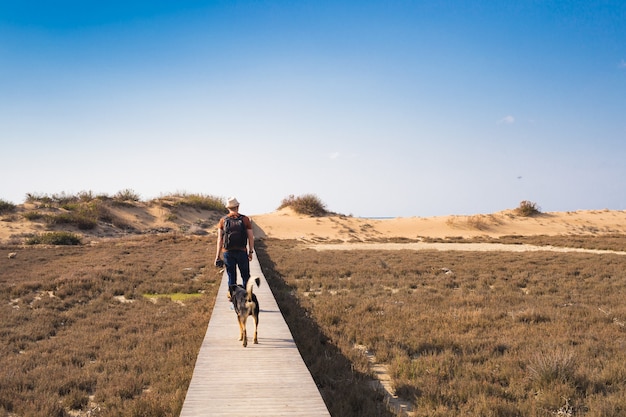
(6, 206)
(198, 201)
(54, 238)
(308, 204)
(527, 209)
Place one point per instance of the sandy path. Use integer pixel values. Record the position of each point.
(468, 247)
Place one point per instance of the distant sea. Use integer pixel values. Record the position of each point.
(376, 218)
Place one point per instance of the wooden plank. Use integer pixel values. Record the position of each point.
(265, 379)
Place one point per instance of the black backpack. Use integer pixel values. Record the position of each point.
(235, 233)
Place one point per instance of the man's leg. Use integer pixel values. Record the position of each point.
(230, 261)
(244, 267)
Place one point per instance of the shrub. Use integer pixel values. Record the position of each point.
(6, 206)
(83, 215)
(308, 204)
(76, 399)
(62, 198)
(33, 215)
(126, 195)
(38, 198)
(85, 222)
(527, 209)
(82, 220)
(199, 201)
(477, 222)
(54, 238)
(70, 206)
(86, 196)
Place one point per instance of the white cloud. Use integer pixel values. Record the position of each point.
(507, 120)
(334, 155)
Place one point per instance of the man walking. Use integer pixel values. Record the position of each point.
(234, 237)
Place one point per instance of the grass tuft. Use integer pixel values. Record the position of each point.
(6, 206)
(197, 201)
(54, 238)
(82, 214)
(554, 366)
(126, 195)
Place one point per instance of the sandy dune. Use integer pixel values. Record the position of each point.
(285, 224)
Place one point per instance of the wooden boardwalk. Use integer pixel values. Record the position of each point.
(266, 379)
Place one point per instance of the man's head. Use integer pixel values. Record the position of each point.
(232, 204)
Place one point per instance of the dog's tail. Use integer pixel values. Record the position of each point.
(249, 286)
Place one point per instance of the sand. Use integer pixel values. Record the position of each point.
(285, 224)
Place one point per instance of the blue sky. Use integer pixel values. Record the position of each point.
(380, 108)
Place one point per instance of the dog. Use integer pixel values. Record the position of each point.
(246, 304)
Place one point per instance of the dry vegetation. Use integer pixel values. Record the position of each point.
(307, 204)
(78, 335)
(527, 209)
(615, 242)
(113, 329)
(63, 218)
(481, 334)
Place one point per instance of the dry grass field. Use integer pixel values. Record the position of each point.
(464, 333)
(112, 326)
(80, 337)
(461, 333)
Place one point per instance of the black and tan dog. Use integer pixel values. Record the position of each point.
(246, 304)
